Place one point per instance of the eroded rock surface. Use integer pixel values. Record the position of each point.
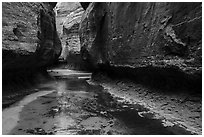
(140, 35)
(29, 37)
(30, 43)
(68, 19)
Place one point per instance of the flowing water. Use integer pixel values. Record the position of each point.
(71, 105)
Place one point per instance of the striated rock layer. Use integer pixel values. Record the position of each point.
(150, 38)
(29, 38)
(68, 19)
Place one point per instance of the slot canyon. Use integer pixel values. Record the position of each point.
(101, 68)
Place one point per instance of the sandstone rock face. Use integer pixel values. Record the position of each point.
(62, 10)
(139, 35)
(29, 36)
(68, 19)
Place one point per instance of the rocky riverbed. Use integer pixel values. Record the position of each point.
(73, 104)
(173, 107)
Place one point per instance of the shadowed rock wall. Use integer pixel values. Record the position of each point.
(29, 37)
(144, 35)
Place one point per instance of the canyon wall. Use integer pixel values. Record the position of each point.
(68, 19)
(160, 38)
(29, 38)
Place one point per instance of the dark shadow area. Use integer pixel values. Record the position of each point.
(169, 78)
(17, 84)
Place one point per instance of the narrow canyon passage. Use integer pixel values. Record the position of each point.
(101, 68)
(71, 104)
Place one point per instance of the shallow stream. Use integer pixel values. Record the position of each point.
(70, 105)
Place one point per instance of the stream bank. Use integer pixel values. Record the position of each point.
(173, 107)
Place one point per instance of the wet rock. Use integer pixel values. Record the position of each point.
(38, 131)
(54, 111)
(157, 104)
